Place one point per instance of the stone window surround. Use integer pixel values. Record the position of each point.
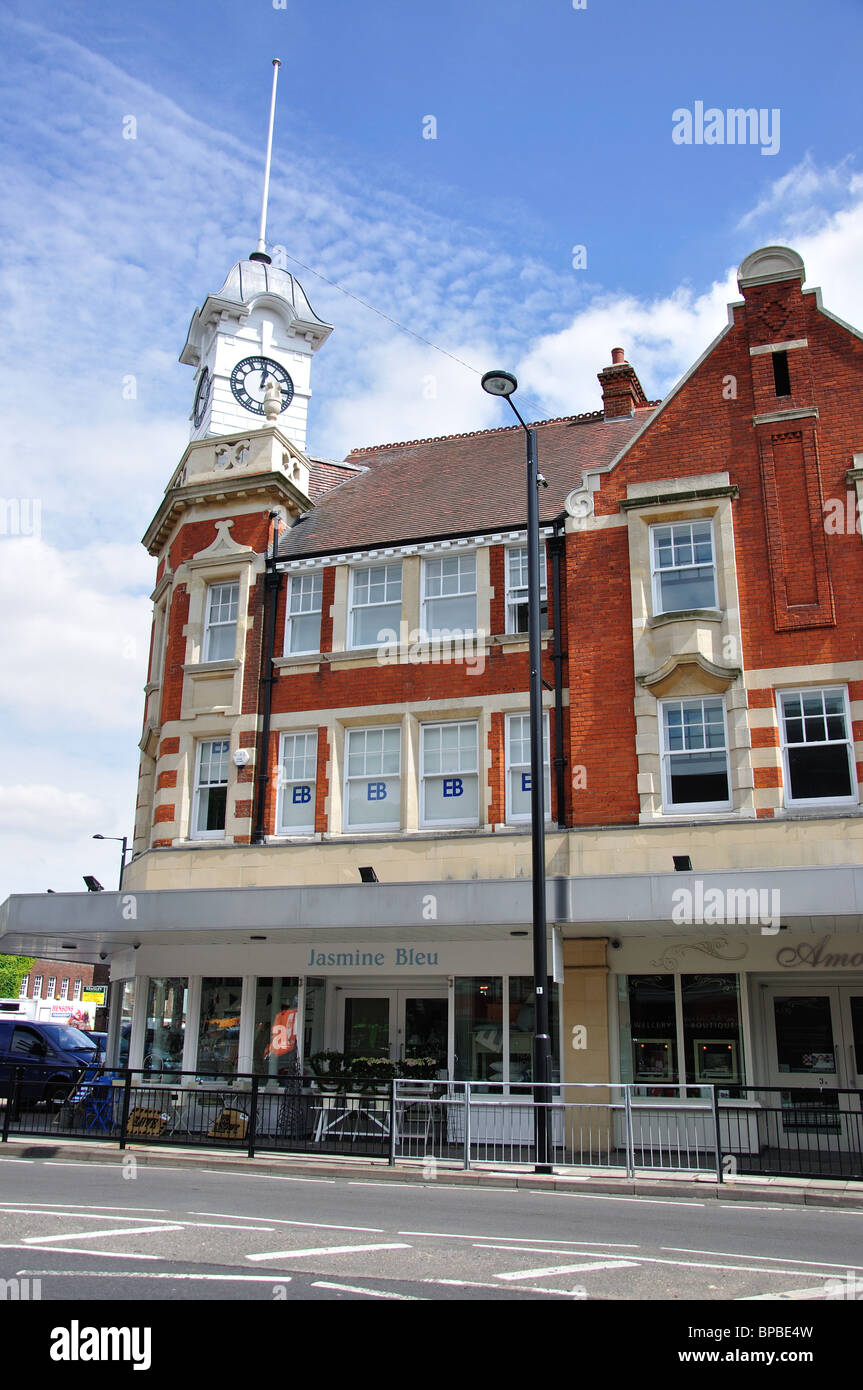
(689, 654)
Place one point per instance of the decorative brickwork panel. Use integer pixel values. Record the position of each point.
(497, 770)
(328, 594)
(166, 779)
(796, 542)
(164, 813)
(323, 784)
(169, 747)
(175, 655)
(497, 575)
(254, 638)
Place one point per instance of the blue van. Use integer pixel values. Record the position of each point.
(51, 1055)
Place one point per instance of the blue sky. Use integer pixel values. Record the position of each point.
(553, 130)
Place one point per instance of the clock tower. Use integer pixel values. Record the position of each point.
(258, 326)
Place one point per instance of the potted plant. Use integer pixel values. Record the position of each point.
(422, 1069)
(332, 1070)
(373, 1075)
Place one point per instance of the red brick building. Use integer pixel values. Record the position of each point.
(339, 679)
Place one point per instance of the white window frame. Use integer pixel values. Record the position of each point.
(200, 787)
(64, 989)
(354, 607)
(514, 818)
(52, 987)
(287, 783)
(37, 987)
(427, 598)
(517, 595)
(305, 583)
(366, 776)
(454, 822)
(687, 808)
(822, 690)
(210, 627)
(77, 989)
(656, 571)
(24, 986)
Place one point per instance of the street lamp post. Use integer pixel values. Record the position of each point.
(504, 384)
(119, 839)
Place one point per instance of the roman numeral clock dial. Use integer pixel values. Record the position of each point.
(249, 379)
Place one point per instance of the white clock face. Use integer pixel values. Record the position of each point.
(202, 397)
(249, 380)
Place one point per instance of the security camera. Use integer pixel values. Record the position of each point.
(540, 478)
(615, 945)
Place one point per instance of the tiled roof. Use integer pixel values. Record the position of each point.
(457, 485)
(325, 474)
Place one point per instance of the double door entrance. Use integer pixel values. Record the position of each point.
(815, 1052)
(393, 1023)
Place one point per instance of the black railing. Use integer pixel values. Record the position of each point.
(816, 1132)
(766, 1130)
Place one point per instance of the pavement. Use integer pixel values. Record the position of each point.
(810, 1192)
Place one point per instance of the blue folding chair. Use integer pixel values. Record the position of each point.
(95, 1095)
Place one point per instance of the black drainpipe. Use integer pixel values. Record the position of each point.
(556, 547)
(272, 584)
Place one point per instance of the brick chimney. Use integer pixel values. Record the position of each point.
(622, 392)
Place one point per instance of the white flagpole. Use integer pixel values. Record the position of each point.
(261, 251)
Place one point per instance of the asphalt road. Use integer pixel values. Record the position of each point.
(89, 1231)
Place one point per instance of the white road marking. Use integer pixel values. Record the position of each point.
(518, 1288)
(71, 1250)
(279, 1221)
(567, 1269)
(145, 1274)
(521, 1240)
(546, 1250)
(100, 1235)
(259, 1177)
(370, 1293)
(174, 1223)
(355, 1182)
(85, 1206)
(777, 1259)
(324, 1250)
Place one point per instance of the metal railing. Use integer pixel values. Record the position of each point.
(595, 1127)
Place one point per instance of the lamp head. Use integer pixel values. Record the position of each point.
(499, 383)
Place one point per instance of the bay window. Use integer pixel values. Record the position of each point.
(683, 566)
(695, 770)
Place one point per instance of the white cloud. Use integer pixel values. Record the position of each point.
(75, 653)
(411, 392)
(48, 811)
(664, 336)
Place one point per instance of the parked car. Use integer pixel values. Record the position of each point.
(100, 1039)
(51, 1055)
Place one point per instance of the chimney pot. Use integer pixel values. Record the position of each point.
(617, 356)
